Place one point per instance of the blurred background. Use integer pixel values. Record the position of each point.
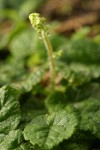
(71, 15)
(74, 25)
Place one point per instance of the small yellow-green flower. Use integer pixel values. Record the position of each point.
(38, 23)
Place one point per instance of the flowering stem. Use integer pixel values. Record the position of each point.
(38, 23)
(48, 46)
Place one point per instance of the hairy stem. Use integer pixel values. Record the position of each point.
(49, 48)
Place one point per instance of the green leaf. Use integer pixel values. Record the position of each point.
(81, 33)
(22, 45)
(56, 101)
(75, 146)
(49, 130)
(12, 140)
(29, 6)
(9, 110)
(89, 111)
(31, 80)
(31, 108)
(25, 146)
(11, 71)
(78, 74)
(58, 41)
(82, 92)
(81, 50)
(6, 73)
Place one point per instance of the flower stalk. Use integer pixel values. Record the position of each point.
(38, 23)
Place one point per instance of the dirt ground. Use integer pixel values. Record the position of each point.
(73, 14)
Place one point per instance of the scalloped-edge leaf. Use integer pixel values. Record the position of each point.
(25, 146)
(76, 146)
(89, 111)
(48, 131)
(56, 101)
(12, 140)
(33, 79)
(9, 110)
(82, 50)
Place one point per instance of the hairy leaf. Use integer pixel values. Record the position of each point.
(31, 80)
(82, 50)
(25, 146)
(78, 74)
(90, 115)
(22, 46)
(82, 92)
(9, 110)
(12, 140)
(48, 131)
(76, 146)
(56, 101)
